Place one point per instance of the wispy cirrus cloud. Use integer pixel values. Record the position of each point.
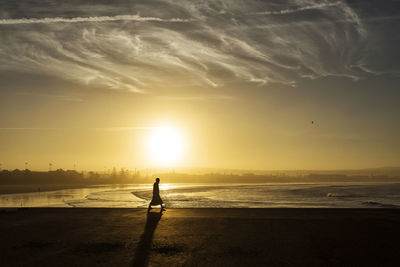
(190, 44)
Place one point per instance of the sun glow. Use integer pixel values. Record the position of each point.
(166, 146)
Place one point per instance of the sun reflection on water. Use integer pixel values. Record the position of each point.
(167, 186)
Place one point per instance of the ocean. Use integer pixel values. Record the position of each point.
(310, 195)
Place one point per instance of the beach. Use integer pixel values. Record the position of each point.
(199, 237)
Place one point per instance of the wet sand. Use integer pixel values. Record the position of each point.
(200, 237)
(32, 188)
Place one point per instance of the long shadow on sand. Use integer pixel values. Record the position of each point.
(141, 257)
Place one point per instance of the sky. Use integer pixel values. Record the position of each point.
(297, 84)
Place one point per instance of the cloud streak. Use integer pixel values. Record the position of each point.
(299, 9)
(196, 97)
(86, 19)
(107, 129)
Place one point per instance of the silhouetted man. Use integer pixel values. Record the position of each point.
(156, 200)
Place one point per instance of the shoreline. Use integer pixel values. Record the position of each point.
(6, 189)
(286, 196)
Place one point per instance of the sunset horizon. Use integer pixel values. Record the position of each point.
(244, 85)
(199, 133)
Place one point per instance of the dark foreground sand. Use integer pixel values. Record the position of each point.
(200, 237)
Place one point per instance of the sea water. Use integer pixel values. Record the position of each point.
(310, 195)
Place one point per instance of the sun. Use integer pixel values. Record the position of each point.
(166, 146)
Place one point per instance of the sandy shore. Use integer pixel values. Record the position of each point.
(200, 237)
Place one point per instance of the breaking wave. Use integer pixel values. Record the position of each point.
(344, 195)
(379, 205)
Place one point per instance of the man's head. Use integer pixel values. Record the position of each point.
(157, 180)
